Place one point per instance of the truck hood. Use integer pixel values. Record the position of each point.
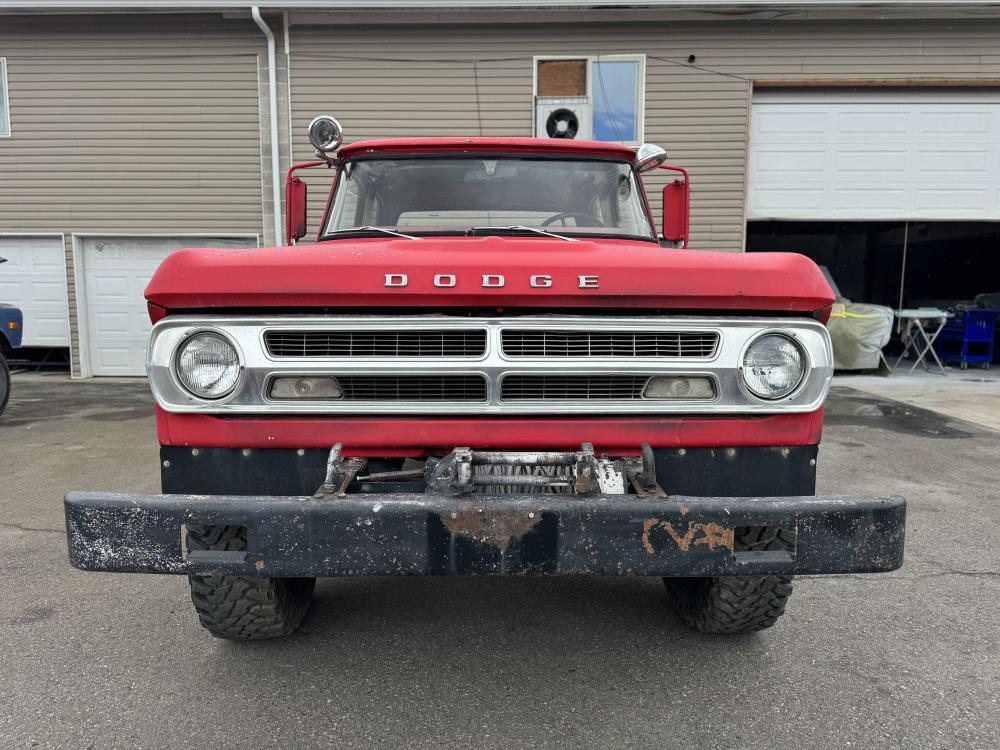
(495, 272)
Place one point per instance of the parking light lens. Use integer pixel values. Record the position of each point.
(208, 365)
(306, 389)
(674, 388)
(773, 366)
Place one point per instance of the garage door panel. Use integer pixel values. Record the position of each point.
(34, 279)
(116, 271)
(953, 199)
(884, 155)
(953, 161)
(789, 160)
(860, 161)
(109, 288)
(944, 121)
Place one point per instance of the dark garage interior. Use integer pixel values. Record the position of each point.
(946, 262)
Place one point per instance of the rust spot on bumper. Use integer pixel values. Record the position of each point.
(711, 535)
(496, 528)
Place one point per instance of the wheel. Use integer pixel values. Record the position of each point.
(736, 604)
(244, 608)
(4, 383)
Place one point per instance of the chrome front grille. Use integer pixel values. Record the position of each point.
(360, 343)
(441, 365)
(417, 388)
(519, 342)
(573, 387)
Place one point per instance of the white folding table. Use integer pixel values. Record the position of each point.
(919, 339)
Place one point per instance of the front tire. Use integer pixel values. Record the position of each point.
(244, 608)
(4, 383)
(736, 604)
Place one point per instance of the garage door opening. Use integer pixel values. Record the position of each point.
(946, 262)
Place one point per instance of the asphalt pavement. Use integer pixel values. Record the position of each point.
(909, 659)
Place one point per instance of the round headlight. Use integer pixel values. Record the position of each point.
(208, 365)
(773, 366)
(325, 134)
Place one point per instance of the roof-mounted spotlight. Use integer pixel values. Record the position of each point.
(649, 156)
(326, 135)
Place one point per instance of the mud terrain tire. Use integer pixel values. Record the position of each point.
(244, 608)
(735, 604)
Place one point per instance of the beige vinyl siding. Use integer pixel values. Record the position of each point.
(420, 80)
(121, 123)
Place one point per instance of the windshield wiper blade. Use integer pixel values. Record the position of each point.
(393, 232)
(520, 228)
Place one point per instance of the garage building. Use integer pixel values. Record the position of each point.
(857, 133)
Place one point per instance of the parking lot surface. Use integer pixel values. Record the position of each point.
(909, 659)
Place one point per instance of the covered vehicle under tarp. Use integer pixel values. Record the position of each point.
(858, 332)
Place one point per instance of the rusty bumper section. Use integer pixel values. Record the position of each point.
(485, 535)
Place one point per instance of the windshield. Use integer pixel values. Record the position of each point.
(446, 194)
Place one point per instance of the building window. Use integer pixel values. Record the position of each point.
(599, 98)
(4, 100)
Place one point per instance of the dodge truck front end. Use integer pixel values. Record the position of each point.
(486, 365)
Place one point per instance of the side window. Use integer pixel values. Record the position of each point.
(598, 98)
(4, 100)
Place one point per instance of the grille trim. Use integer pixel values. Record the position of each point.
(542, 342)
(351, 343)
(583, 388)
(413, 388)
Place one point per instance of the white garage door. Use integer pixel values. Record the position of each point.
(34, 279)
(115, 273)
(917, 154)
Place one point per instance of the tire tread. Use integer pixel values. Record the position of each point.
(736, 604)
(244, 608)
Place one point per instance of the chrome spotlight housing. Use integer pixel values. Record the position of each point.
(325, 134)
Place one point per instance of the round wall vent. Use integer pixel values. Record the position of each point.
(562, 123)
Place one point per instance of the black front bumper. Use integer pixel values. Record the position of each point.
(414, 534)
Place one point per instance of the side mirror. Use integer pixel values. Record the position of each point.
(677, 209)
(649, 156)
(296, 196)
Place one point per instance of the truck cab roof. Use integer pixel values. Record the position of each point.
(536, 146)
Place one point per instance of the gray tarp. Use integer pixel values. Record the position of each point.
(858, 332)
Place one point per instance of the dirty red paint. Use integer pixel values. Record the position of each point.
(401, 436)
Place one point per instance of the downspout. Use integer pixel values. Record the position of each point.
(272, 95)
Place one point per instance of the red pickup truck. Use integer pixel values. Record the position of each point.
(487, 363)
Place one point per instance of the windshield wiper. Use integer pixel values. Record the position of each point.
(520, 228)
(393, 232)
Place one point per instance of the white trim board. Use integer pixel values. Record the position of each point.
(5, 82)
